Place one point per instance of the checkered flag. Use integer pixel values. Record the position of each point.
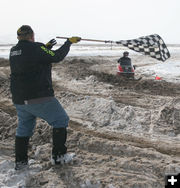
(152, 45)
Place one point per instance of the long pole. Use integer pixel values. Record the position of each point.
(92, 40)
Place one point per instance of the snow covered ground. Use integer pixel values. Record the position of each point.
(91, 50)
(169, 70)
(10, 178)
(144, 136)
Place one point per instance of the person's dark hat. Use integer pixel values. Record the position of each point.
(126, 53)
(24, 30)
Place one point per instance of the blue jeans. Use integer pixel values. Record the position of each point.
(51, 111)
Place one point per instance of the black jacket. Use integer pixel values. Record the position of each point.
(124, 61)
(30, 64)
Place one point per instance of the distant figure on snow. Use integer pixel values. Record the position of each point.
(125, 60)
(125, 67)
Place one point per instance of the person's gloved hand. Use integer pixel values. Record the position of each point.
(74, 39)
(51, 43)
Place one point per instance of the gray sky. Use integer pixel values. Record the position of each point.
(96, 19)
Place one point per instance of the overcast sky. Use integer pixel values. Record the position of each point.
(96, 19)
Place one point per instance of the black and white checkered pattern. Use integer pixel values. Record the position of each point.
(152, 45)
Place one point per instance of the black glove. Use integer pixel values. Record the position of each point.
(51, 43)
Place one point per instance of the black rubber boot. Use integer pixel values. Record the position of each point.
(21, 152)
(59, 147)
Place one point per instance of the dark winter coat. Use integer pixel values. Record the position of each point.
(124, 61)
(30, 64)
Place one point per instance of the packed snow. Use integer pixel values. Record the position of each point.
(146, 123)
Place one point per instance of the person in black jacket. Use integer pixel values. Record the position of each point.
(33, 94)
(125, 60)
